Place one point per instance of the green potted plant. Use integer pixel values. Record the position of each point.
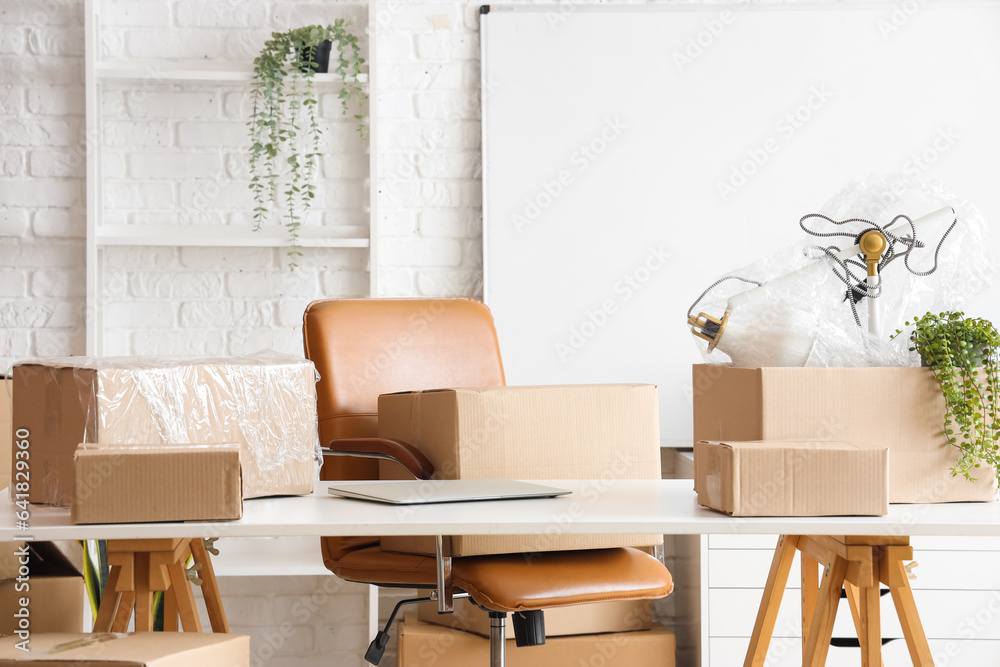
(284, 129)
(962, 352)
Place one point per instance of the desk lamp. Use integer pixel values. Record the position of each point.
(793, 341)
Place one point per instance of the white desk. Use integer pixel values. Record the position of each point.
(621, 506)
(667, 506)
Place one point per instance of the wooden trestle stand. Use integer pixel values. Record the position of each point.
(141, 567)
(856, 565)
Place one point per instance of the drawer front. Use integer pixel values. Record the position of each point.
(745, 568)
(959, 543)
(936, 570)
(944, 614)
(732, 613)
(726, 652)
(919, 542)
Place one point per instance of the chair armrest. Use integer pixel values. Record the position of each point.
(400, 452)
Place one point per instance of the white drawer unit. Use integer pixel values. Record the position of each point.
(957, 591)
(728, 652)
(944, 614)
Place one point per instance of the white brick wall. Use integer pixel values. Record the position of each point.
(298, 621)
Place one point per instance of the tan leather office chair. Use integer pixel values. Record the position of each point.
(366, 347)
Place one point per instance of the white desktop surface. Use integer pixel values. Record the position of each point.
(620, 506)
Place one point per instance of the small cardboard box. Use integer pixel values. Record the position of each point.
(137, 483)
(427, 645)
(267, 404)
(6, 431)
(601, 432)
(52, 589)
(899, 408)
(140, 649)
(581, 619)
(791, 478)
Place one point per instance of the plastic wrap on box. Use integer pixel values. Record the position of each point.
(264, 402)
(808, 321)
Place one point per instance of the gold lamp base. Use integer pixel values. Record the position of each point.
(709, 328)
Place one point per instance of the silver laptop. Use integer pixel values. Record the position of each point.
(419, 492)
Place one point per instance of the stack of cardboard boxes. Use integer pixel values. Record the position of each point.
(134, 440)
(824, 441)
(594, 432)
(104, 435)
(423, 643)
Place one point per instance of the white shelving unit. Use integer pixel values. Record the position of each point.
(101, 235)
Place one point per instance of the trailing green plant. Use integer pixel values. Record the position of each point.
(962, 352)
(283, 92)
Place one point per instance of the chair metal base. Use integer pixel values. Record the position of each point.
(498, 639)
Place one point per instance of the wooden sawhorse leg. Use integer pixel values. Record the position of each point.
(141, 567)
(855, 564)
(892, 573)
(777, 578)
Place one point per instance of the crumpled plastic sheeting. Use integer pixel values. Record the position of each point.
(266, 403)
(810, 323)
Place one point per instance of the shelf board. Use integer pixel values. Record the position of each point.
(256, 557)
(229, 236)
(188, 70)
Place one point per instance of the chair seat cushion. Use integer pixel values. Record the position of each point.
(521, 582)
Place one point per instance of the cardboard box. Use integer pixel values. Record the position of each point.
(899, 408)
(139, 649)
(136, 483)
(6, 432)
(792, 478)
(599, 432)
(427, 645)
(267, 404)
(53, 587)
(581, 619)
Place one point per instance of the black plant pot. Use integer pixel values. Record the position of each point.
(321, 61)
(978, 354)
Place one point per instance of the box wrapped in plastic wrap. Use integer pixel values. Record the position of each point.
(265, 402)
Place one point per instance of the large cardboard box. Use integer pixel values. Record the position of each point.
(267, 404)
(792, 478)
(427, 645)
(580, 619)
(140, 649)
(599, 432)
(136, 483)
(899, 408)
(6, 432)
(41, 587)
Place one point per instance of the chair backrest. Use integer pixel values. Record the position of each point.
(366, 347)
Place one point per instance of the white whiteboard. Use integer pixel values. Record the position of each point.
(869, 89)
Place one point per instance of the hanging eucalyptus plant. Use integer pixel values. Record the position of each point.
(962, 352)
(284, 128)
